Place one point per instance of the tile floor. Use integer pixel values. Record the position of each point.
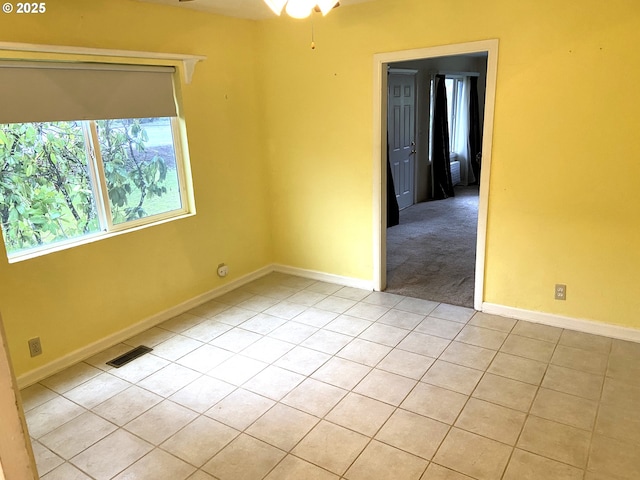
(288, 378)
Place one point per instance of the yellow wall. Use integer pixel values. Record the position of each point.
(564, 195)
(281, 140)
(75, 297)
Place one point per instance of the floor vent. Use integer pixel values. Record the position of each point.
(129, 356)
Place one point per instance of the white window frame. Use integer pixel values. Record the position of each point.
(101, 198)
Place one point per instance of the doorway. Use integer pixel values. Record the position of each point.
(381, 65)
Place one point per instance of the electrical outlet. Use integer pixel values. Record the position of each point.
(223, 270)
(35, 348)
(561, 292)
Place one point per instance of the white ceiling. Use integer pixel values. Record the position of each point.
(251, 9)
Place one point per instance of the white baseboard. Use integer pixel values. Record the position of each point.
(570, 323)
(59, 364)
(325, 277)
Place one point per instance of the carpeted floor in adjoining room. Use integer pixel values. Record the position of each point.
(431, 254)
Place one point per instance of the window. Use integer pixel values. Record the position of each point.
(66, 180)
(453, 86)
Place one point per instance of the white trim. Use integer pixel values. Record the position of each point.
(188, 61)
(570, 323)
(380, 61)
(325, 277)
(98, 346)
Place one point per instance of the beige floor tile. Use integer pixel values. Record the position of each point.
(528, 348)
(564, 408)
(282, 426)
(293, 468)
(619, 423)
(352, 293)
(473, 455)
(620, 394)
(207, 330)
(380, 462)
(314, 317)
(341, 373)
(401, 319)
(157, 464)
(367, 311)
(468, 355)
(527, 466)
(386, 387)
(201, 394)
(66, 471)
(200, 475)
(294, 332)
(384, 334)
(537, 331)
(236, 315)
(274, 382)
(405, 363)
(46, 460)
(141, 368)
(413, 433)
(97, 390)
(314, 397)
(624, 369)
(453, 377)
(169, 380)
(453, 312)
(125, 406)
(331, 447)
(625, 348)
(518, 368)
(352, 326)
(99, 360)
(240, 408)
(582, 360)
(362, 414)
(245, 458)
(176, 347)
(160, 422)
(424, 344)
(435, 402)
(383, 298)
(570, 381)
(205, 358)
(556, 441)
(324, 287)
(335, 304)
(71, 377)
(50, 415)
(237, 369)
(199, 441)
(209, 309)
(506, 392)
(491, 421)
(235, 340)
(439, 327)
(307, 298)
(494, 322)
(111, 455)
(586, 341)
(260, 303)
(416, 305)
(437, 472)
(327, 342)
(80, 433)
(614, 459)
(35, 395)
(365, 352)
(481, 337)
(262, 323)
(302, 360)
(267, 349)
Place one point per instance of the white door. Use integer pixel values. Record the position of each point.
(401, 125)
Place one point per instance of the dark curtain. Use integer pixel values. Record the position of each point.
(442, 184)
(393, 212)
(475, 130)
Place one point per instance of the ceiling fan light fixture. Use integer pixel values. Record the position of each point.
(300, 8)
(326, 6)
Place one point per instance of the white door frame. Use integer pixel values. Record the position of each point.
(380, 62)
